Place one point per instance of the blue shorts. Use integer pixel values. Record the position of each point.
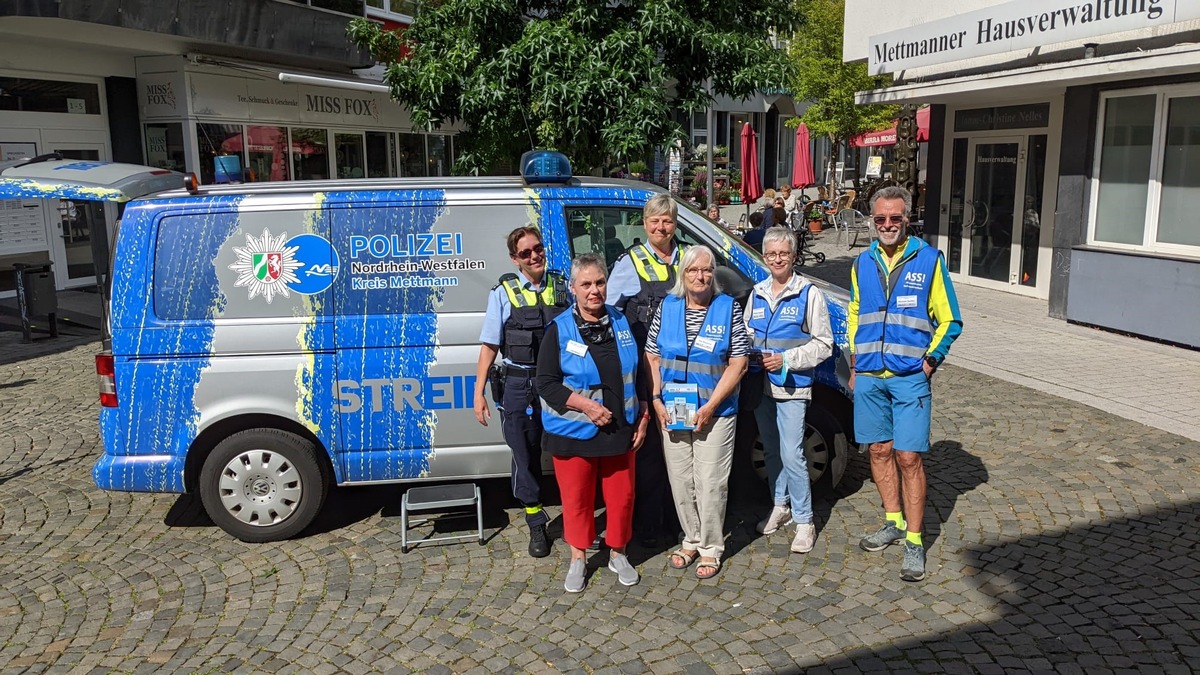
(893, 409)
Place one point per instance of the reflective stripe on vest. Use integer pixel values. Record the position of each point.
(683, 363)
(782, 330)
(529, 313)
(582, 377)
(520, 296)
(894, 328)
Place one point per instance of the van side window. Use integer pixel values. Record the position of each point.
(232, 265)
(605, 230)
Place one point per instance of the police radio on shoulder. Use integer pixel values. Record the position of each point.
(545, 166)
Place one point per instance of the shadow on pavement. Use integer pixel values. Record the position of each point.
(1122, 594)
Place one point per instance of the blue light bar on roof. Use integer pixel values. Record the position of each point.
(545, 166)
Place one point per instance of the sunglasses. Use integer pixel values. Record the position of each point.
(895, 220)
(528, 253)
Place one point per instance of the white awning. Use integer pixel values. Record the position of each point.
(334, 82)
(1046, 77)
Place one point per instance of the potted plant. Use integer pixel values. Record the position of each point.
(720, 153)
(639, 169)
(814, 213)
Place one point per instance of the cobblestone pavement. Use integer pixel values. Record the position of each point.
(1060, 538)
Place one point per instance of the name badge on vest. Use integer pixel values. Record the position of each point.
(758, 313)
(576, 348)
(706, 344)
(906, 301)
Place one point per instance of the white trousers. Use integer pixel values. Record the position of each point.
(698, 464)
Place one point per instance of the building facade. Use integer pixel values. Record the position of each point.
(256, 90)
(1064, 155)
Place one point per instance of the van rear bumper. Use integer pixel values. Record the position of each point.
(139, 473)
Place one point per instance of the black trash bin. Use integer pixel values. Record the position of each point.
(36, 297)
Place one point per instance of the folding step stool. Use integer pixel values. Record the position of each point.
(440, 498)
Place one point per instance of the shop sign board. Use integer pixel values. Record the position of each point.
(1031, 116)
(272, 101)
(1017, 25)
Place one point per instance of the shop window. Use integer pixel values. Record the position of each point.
(381, 153)
(49, 96)
(310, 153)
(266, 153)
(350, 155)
(221, 152)
(164, 146)
(439, 155)
(1181, 174)
(412, 155)
(1148, 171)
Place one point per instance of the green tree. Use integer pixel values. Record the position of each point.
(595, 79)
(822, 78)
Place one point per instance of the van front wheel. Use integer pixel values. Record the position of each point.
(262, 485)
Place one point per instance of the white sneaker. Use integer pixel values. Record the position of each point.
(780, 516)
(806, 538)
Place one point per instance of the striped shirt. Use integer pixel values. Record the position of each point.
(739, 342)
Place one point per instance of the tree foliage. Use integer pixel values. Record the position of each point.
(595, 79)
(822, 78)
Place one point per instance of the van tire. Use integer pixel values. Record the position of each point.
(263, 485)
(824, 442)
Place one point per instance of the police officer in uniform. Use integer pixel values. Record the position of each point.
(519, 308)
(640, 279)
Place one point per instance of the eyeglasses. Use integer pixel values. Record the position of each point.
(698, 271)
(895, 220)
(528, 253)
(776, 256)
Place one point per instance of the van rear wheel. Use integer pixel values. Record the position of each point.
(823, 441)
(262, 485)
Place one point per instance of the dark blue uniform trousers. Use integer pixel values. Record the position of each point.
(522, 428)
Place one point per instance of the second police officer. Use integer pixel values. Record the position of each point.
(639, 281)
(518, 310)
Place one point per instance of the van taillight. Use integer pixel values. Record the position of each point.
(108, 383)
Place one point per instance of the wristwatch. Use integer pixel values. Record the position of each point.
(933, 362)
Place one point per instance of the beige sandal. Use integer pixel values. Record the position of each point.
(714, 565)
(687, 557)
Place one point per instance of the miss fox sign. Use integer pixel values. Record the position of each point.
(1022, 24)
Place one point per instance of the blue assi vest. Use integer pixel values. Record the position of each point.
(894, 329)
(780, 331)
(581, 376)
(697, 363)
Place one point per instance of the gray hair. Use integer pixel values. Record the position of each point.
(778, 234)
(893, 192)
(688, 259)
(661, 204)
(586, 260)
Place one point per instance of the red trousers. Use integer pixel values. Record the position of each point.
(577, 485)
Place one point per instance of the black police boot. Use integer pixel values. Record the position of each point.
(539, 542)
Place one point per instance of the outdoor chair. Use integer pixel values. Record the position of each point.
(853, 224)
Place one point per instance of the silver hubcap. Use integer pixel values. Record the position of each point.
(816, 452)
(260, 487)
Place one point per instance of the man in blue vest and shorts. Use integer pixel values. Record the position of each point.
(902, 318)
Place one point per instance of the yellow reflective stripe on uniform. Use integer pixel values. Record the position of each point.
(520, 296)
(647, 265)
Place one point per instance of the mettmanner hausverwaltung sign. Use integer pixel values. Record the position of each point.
(1022, 24)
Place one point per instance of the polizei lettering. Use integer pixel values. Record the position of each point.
(406, 245)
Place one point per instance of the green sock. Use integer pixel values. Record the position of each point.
(897, 519)
(914, 538)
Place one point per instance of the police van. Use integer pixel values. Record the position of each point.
(266, 341)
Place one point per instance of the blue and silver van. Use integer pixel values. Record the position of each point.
(269, 340)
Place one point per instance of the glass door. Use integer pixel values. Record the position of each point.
(991, 220)
(80, 231)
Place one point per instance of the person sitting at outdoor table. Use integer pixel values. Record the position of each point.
(780, 214)
(714, 214)
(788, 325)
(595, 416)
(698, 337)
(791, 201)
(754, 236)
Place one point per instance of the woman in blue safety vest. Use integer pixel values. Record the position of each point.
(595, 415)
(788, 324)
(697, 343)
